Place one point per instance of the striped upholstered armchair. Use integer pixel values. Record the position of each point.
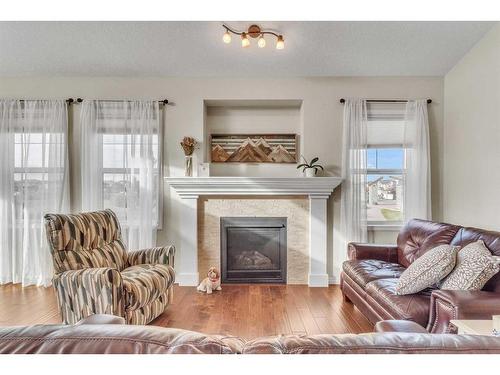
(94, 273)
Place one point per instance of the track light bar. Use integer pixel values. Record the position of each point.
(254, 31)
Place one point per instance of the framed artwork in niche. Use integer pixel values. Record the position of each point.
(254, 148)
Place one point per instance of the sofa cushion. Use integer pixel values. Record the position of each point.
(419, 236)
(398, 326)
(428, 270)
(475, 266)
(364, 271)
(414, 307)
(146, 282)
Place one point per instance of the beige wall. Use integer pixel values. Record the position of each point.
(472, 137)
(321, 120)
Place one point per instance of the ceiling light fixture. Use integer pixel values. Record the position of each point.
(280, 43)
(261, 42)
(244, 40)
(254, 31)
(226, 38)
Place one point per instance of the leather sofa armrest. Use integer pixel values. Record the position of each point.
(101, 319)
(155, 255)
(399, 326)
(460, 304)
(358, 251)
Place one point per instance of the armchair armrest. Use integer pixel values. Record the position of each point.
(460, 304)
(358, 251)
(155, 255)
(89, 291)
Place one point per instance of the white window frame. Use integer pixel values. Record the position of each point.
(45, 170)
(159, 219)
(379, 225)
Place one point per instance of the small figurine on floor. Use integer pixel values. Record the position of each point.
(212, 282)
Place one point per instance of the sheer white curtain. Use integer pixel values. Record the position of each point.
(417, 181)
(120, 165)
(354, 171)
(34, 181)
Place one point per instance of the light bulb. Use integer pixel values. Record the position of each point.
(280, 43)
(244, 40)
(262, 42)
(226, 38)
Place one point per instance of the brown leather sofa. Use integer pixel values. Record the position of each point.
(369, 277)
(107, 334)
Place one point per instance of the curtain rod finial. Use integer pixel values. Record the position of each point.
(342, 100)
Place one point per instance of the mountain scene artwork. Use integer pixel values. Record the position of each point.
(254, 148)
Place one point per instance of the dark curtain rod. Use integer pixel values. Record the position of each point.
(429, 101)
(69, 101)
(79, 100)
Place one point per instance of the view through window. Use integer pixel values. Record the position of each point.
(32, 167)
(121, 181)
(385, 185)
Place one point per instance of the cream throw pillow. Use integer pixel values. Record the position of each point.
(475, 266)
(428, 270)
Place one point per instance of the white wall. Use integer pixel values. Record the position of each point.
(321, 120)
(472, 137)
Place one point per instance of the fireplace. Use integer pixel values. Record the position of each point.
(253, 249)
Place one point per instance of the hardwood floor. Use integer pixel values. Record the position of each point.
(242, 310)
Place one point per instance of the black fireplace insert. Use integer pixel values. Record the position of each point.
(253, 249)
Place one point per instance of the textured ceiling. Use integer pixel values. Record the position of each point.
(196, 49)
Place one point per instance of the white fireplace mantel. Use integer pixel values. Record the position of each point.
(318, 189)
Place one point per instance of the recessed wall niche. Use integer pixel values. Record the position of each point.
(273, 116)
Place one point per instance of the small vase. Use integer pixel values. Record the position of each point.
(310, 172)
(188, 171)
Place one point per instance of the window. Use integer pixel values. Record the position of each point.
(385, 185)
(34, 160)
(385, 164)
(121, 165)
(122, 180)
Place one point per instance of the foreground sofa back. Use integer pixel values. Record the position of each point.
(126, 339)
(370, 276)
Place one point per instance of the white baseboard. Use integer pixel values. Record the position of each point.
(333, 280)
(187, 279)
(192, 279)
(319, 280)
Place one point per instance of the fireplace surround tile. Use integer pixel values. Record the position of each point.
(294, 208)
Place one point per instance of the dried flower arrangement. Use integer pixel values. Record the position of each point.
(188, 144)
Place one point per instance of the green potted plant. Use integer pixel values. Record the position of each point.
(310, 169)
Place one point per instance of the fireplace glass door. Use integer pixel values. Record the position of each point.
(253, 249)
